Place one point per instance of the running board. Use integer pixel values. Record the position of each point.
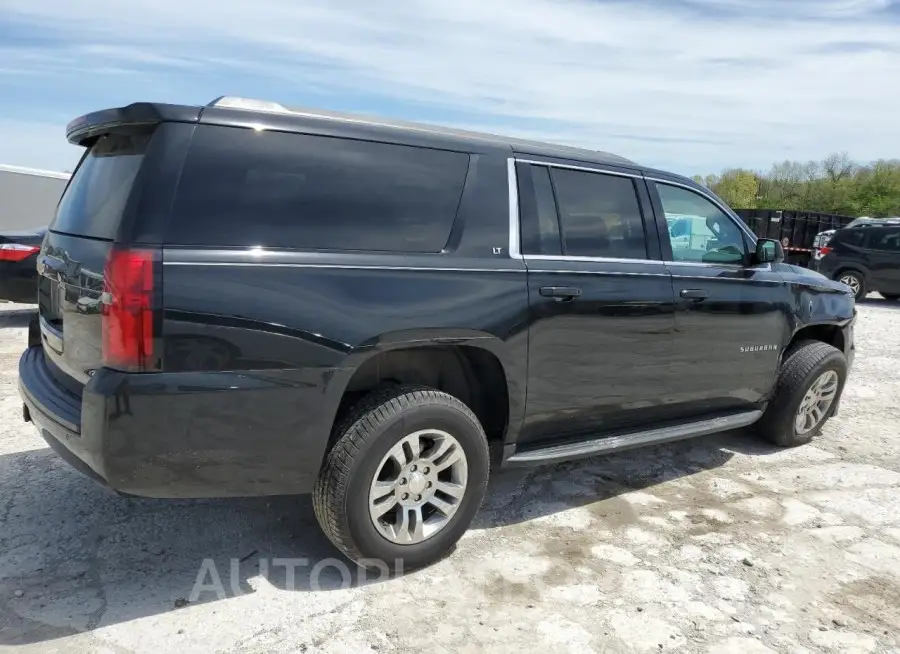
(612, 444)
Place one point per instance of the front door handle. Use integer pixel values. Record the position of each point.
(695, 294)
(561, 293)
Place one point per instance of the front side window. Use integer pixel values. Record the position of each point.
(698, 230)
(599, 214)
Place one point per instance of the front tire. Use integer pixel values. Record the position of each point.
(807, 391)
(855, 281)
(404, 480)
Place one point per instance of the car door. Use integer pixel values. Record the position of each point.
(600, 302)
(884, 259)
(731, 317)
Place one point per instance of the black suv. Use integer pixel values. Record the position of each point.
(242, 299)
(865, 258)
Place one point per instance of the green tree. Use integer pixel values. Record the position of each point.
(877, 191)
(835, 185)
(739, 188)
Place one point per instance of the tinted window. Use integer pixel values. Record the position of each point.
(856, 237)
(888, 239)
(537, 211)
(698, 230)
(96, 196)
(247, 188)
(599, 214)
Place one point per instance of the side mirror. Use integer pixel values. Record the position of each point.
(768, 251)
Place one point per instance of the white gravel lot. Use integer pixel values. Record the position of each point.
(720, 544)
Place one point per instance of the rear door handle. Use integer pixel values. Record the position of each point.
(696, 294)
(561, 293)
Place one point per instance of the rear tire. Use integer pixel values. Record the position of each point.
(856, 281)
(812, 373)
(377, 498)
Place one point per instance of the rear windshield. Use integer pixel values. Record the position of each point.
(95, 198)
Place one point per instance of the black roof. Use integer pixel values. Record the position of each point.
(269, 115)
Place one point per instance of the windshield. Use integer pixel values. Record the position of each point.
(95, 199)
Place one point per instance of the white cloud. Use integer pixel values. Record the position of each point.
(804, 8)
(746, 83)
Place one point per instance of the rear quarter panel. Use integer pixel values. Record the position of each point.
(284, 330)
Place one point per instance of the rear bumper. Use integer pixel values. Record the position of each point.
(183, 434)
(55, 411)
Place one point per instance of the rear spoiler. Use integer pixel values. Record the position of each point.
(84, 128)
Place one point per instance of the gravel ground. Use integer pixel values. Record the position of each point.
(720, 544)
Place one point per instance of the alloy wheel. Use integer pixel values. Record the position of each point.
(852, 281)
(418, 487)
(816, 403)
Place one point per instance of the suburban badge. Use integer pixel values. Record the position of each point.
(758, 348)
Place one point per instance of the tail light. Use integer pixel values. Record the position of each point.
(821, 252)
(17, 251)
(128, 318)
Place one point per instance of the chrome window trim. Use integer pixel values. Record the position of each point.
(515, 251)
(731, 266)
(604, 273)
(514, 243)
(560, 257)
(734, 266)
(514, 240)
(557, 257)
(768, 282)
(605, 171)
(262, 264)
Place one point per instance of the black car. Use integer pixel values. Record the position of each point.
(865, 258)
(243, 299)
(18, 265)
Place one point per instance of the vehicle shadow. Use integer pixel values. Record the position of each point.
(16, 317)
(878, 301)
(518, 495)
(74, 556)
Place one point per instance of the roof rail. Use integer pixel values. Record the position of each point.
(251, 104)
(256, 105)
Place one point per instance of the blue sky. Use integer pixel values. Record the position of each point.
(688, 85)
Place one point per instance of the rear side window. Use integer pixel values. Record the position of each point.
(599, 214)
(537, 211)
(247, 188)
(856, 237)
(886, 239)
(95, 199)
